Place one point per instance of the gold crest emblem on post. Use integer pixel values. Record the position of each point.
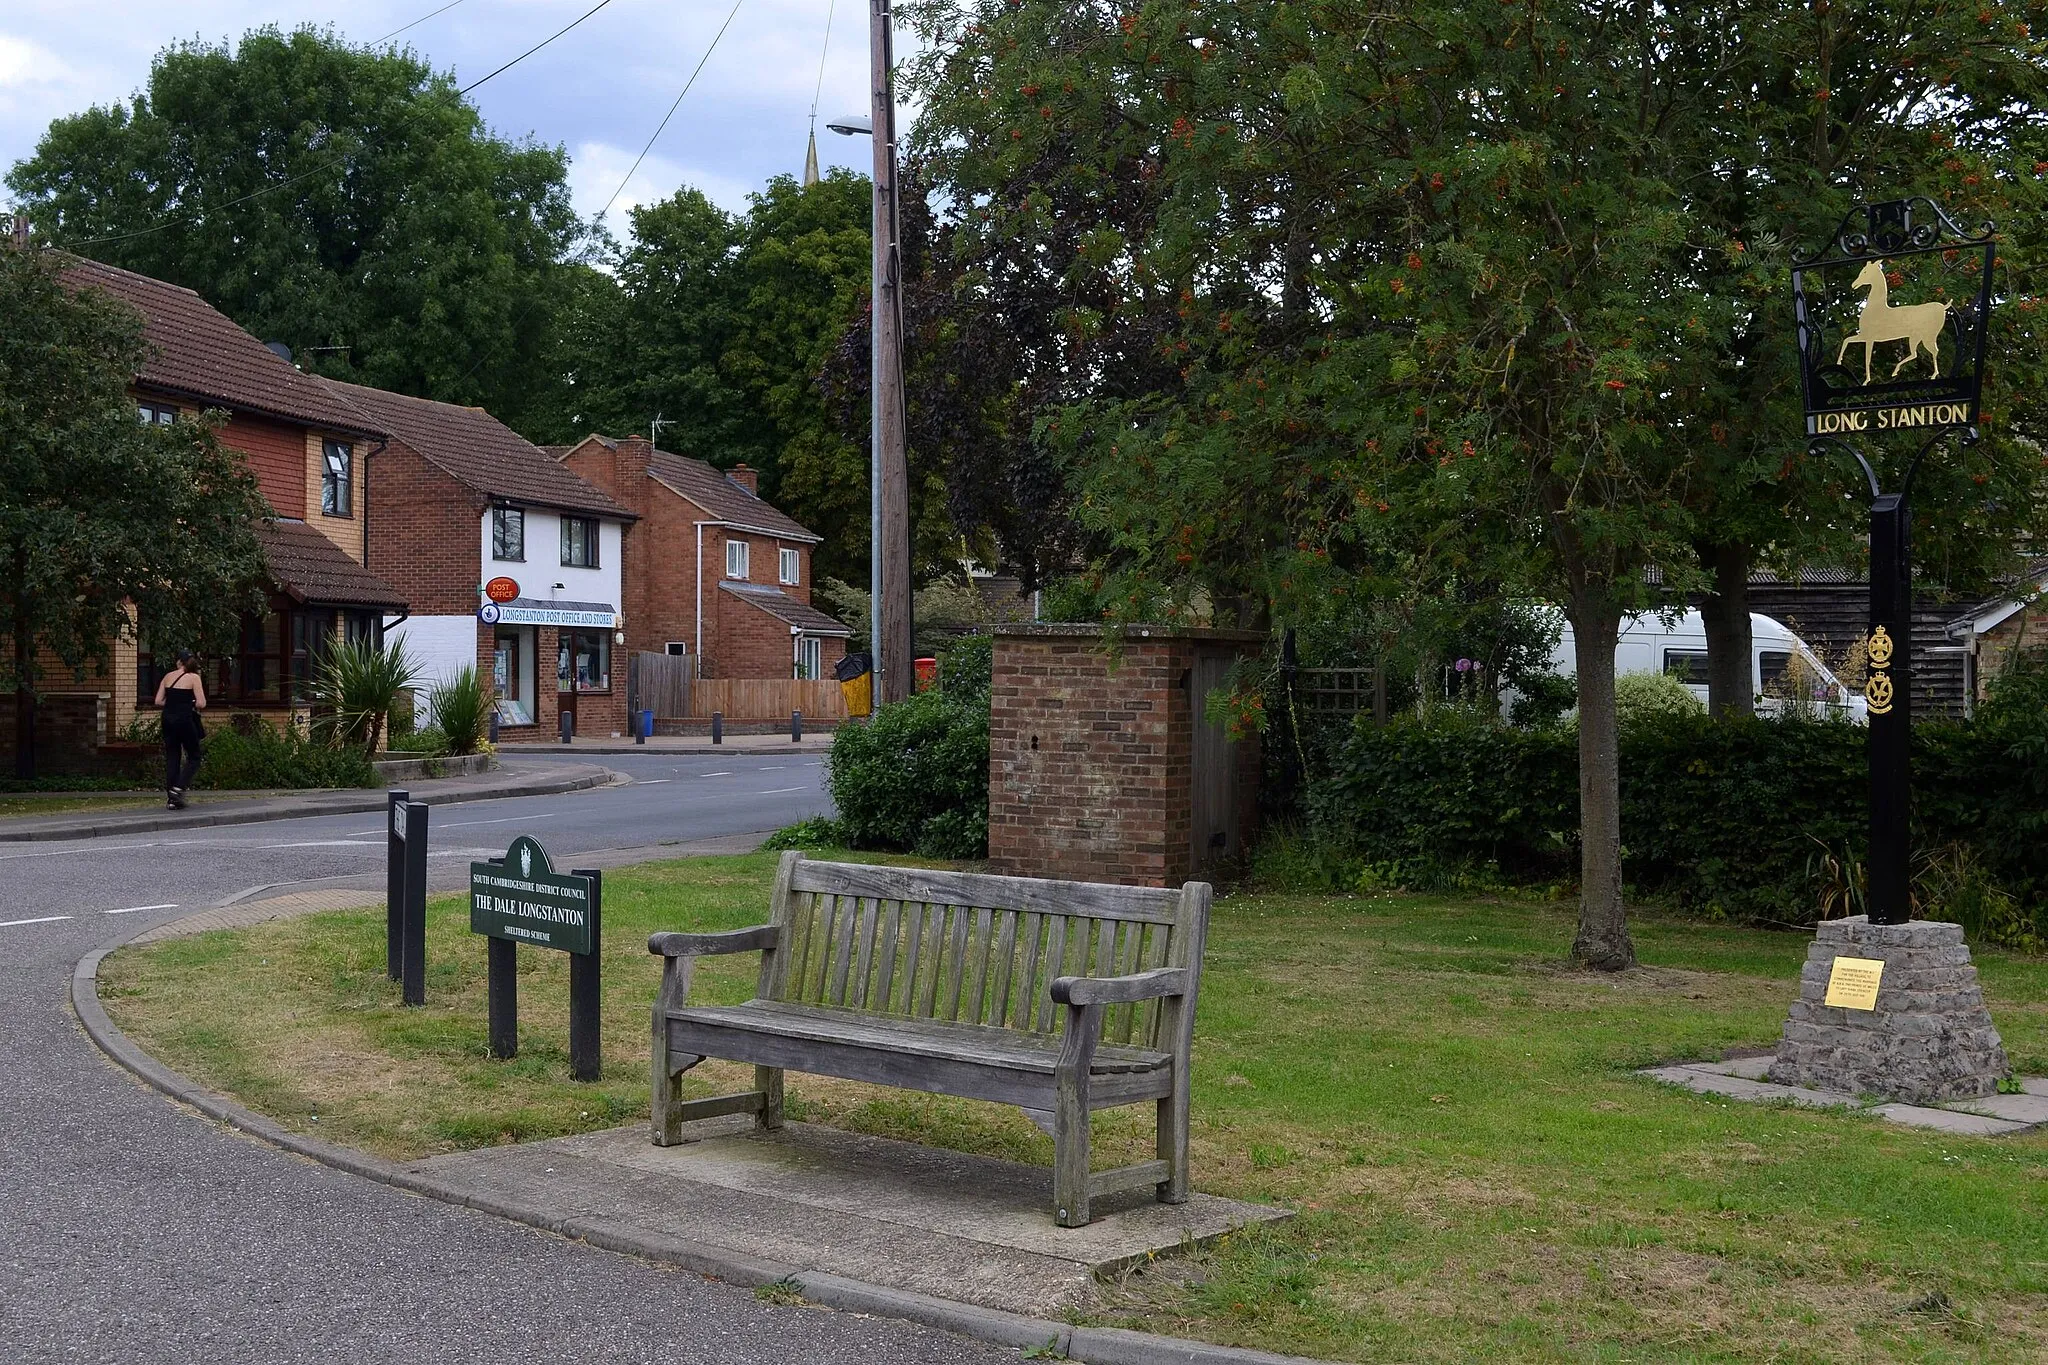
(1880, 647)
(1878, 692)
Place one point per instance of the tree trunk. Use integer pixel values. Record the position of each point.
(1730, 680)
(1603, 942)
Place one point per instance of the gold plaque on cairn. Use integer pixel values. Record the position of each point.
(1852, 983)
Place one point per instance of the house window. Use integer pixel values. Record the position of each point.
(792, 567)
(337, 472)
(736, 559)
(508, 534)
(586, 660)
(312, 636)
(810, 653)
(579, 542)
(677, 648)
(156, 414)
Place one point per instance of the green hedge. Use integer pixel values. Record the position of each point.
(1736, 818)
(915, 778)
(256, 756)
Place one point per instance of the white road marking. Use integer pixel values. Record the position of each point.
(783, 791)
(89, 848)
(652, 781)
(44, 919)
(506, 820)
(167, 905)
(312, 843)
(714, 774)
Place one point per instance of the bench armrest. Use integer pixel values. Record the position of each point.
(1120, 990)
(759, 938)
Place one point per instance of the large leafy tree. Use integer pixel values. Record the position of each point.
(343, 200)
(1448, 302)
(101, 517)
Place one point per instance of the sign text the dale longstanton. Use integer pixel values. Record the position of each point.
(523, 899)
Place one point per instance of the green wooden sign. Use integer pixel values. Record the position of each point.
(523, 899)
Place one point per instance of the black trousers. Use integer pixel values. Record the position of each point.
(181, 754)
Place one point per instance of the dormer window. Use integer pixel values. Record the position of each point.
(337, 477)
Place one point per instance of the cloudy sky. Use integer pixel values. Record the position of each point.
(599, 91)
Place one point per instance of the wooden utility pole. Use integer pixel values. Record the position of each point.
(889, 579)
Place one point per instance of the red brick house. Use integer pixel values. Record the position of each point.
(712, 570)
(462, 503)
(308, 453)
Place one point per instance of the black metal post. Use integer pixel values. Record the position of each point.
(494, 724)
(718, 727)
(394, 878)
(415, 927)
(796, 727)
(503, 958)
(585, 1017)
(1886, 691)
(567, 721)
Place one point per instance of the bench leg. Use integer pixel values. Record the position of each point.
(664, 1108)
(768, 1080)
(1173, 1146)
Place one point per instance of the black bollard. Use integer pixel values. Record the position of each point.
(796, 727)
(494, 725)
(585, 989)
(414, 965)
(394, 880)
(718, 727)
(567, 720)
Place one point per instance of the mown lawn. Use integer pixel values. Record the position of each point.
(1479, 1173)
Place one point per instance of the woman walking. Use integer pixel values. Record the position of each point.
(182, 695)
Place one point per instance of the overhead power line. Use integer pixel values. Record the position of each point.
(414, 24)
(336, 160)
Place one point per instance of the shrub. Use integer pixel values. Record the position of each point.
(248, 754)
(815, 833)
(461, 708)
(1646, 697)
(355, 688)
(1751, 818)
(914, 778)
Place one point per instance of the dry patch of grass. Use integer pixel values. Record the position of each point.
(1478, 1169)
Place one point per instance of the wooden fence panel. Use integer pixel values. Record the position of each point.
(661, 683)
(767, 698)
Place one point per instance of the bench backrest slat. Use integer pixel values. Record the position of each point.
(966, 947)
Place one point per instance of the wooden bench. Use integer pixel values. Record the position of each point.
(1059, 997)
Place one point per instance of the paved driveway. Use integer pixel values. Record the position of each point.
(131, 1230)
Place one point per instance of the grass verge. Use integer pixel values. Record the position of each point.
(1478, 1171)
(75, 805)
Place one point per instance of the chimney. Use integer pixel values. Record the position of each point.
(745, 477)
(633, 453)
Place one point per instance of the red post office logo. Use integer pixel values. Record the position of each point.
(501, 589)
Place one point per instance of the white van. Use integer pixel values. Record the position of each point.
(1647, 645)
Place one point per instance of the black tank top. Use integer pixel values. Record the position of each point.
(178, 707)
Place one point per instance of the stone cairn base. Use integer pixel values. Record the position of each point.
(1929, 1040)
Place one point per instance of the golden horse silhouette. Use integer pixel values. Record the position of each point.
(1917, 324)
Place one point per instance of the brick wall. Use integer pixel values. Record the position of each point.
(1091, 759)
(69, 732)
(425, 532)
(276, 453)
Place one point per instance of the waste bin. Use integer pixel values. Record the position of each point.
(856, 676)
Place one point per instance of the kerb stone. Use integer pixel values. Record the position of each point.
(1929, 1041)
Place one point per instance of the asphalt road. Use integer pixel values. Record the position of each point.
(131, 1230)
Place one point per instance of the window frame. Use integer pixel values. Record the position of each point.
(1689, 666)
(589, 526)
(573, 641)
(789, 567)
(810, 658)
(337, 490)
(152, 413)
(746, 554)
(502, 517)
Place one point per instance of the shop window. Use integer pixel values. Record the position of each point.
(512, 675)
(337, 479)
(586, 661)
(736, 559)
(579, 543)
(792, 566)
(508, 534)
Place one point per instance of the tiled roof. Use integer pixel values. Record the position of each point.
(196, 352)
(711, 490)
(476, 449)
(314, 569)
(785, 608)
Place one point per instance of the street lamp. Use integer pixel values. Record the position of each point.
(1912, 246)
(888, 477)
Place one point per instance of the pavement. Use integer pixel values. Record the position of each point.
(1742, 1078)
(132, 1230)
(530, 778)
(813, 742)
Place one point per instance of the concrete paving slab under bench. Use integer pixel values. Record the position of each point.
(1991, 1116)
(896, 1214)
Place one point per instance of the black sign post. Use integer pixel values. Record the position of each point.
(394, 879)
(1842, 300)
(520, 898)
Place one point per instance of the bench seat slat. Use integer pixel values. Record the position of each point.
(982, 1046)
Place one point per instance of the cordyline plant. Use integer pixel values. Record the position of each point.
(1344, 303)
(355, 685)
